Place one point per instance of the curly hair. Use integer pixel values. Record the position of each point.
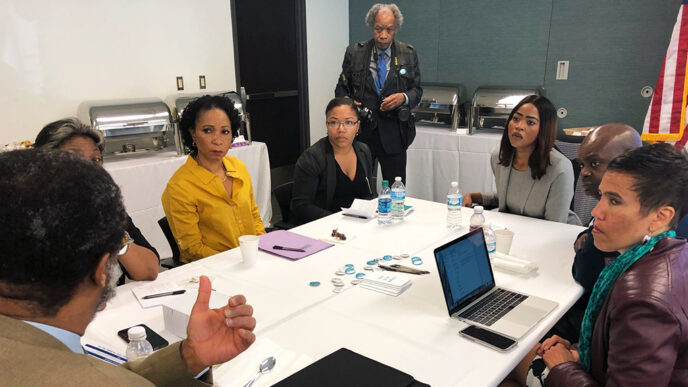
(201, 104)
(660, 174)
(56, 133)
(377, 8)
(539, 159)
(60, 215)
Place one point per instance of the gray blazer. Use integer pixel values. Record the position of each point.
(549, 197)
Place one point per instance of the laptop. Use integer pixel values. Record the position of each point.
(471, 295)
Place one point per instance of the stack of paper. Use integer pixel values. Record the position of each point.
(388, 283)
(155, 288)
(364, 209)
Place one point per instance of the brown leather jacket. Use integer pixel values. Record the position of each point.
(641, 335)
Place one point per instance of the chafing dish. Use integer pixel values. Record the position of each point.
(491, 106)
(439, 106)
(131, 126)
(239, 101)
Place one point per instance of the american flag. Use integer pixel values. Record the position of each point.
(666, 117)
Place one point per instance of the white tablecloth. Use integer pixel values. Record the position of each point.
(439, 156)
(143, 180)
(413, 332)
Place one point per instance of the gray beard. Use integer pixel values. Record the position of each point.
(113, 274)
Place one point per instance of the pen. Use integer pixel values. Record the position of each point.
(354, 216)
(278, 247)
(107, 352)
(164, 294)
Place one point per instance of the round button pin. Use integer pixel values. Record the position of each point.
(337, 290)
(350, 270)
(360, 275)
(387, 257)
(372, 262)
(369, 268)
(314, 283)
(416, 261)
(355, 282)
(402, 71)
(405, 256)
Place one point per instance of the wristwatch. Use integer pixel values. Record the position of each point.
(126, 242)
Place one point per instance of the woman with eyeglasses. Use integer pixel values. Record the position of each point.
(335, 170)
(138, 259)
(209, 201)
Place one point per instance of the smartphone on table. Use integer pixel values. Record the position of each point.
(488, 338)
(153, 338)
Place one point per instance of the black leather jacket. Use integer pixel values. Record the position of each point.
(315, 179)
(357, 82)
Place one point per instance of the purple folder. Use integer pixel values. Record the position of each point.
(291, 240)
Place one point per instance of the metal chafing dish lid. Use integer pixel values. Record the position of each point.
(128, 114)
(181, 102)
(501, 98)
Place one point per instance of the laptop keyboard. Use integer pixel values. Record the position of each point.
(493, 307)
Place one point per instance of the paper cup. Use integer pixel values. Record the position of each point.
(249, 249)
(504, 238)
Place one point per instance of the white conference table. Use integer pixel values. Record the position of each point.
(143, 180)
(299, 324)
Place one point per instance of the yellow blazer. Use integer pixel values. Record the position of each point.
(31, 357)
(203, 218)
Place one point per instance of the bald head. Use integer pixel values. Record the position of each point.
(600, 146)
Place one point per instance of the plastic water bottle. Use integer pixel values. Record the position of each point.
(138, 346)
(490, 238)
(454, 201)
(384, 204)
(477, 219)
(398, 196)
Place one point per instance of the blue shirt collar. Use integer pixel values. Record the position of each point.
(70, 339)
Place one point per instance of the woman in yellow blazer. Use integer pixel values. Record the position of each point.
(209, 201)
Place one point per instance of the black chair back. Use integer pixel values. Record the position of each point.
(283, 196)
(174, 262)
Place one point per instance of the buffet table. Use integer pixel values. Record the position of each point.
(298, 323)
(143, 179)
(439, 156)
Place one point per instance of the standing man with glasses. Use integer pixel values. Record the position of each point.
(382, 76)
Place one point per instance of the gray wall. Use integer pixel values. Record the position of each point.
(615, 47)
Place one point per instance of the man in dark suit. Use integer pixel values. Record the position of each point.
(382, 76)
(63, 222)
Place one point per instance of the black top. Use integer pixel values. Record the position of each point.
(348, 190)
(315, 180)
(140, 240)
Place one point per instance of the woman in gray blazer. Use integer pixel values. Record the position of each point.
(532, 178)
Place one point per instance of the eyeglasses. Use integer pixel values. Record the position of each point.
(337, 124)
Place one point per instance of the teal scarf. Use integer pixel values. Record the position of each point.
(604, 285)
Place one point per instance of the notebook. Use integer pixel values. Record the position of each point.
(290, 240)
(347, 368)
(471, 295)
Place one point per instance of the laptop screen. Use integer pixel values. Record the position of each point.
(464, 269)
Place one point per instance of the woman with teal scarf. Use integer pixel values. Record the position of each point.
(635, 329)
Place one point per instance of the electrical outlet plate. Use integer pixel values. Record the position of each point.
(201, 81)
(562, 70)
(180, 83)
